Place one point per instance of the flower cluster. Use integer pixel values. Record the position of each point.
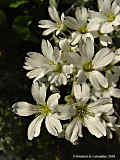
(88, 74)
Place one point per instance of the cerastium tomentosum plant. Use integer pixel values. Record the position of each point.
(73, 60)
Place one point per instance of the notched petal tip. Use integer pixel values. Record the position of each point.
(15, 108)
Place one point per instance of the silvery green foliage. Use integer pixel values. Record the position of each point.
(91, 75)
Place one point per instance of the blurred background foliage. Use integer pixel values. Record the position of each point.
(19, 33)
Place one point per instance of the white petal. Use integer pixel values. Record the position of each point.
(77, 91)
(53, 100)
(115, 92)
(106, 28)
(81, 14)
(46, 24)
(97, 79)
(104, 5)
(111, 119)
(71, 23)
(115, 7)
(76, 37)
(92, 78)
(47, 49)
(34, 127)
(107, 5)
(68, 69)
(34, 60)
(62, 79)
(105, 40)
(24, 108)
(74, 135)
(101, 5)
(85, 92)
(93, 25)
(64, 45)
(39, 72)
(95, 127)
(53, 14)
(58, 32)
(64, 112)
(88, 35)
(79, 128)
(39, 92)
(72, 131)
(81, 77)
(106, 94)
(88, 49)
(116, 22)
(53, 125)
(62, 17)
(96, 17)
(82, 92)
(72, 58)
(56, 55)
(49, 31)
(109, 133)
(103, 105)
(101, 79)
(59, 79)
(103, 58)
(53, 77)
(42, 73)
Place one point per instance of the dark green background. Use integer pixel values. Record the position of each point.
(19, 34)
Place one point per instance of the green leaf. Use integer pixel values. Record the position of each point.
(21, 26)
(39, 1)
(17, 3)
(3, 20)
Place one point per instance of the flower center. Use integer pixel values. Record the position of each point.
(51, 63)
(82, 112)
(110, 17)
(88, 67)
(75, 71)
(104, 89)
(59, 24)
(83, 29)
(44, 110)
(64, 28)
(58, 68)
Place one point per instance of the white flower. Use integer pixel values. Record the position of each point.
(107, 17)
(66, 47)
(110, 123)
(80, 25)
(57, 25)
(113, 68)
(69, 52)
(87, 114)
(111, 90)
(104, 39)
(60, 77)
(42, 109)
(89, 66)
(49, 63)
